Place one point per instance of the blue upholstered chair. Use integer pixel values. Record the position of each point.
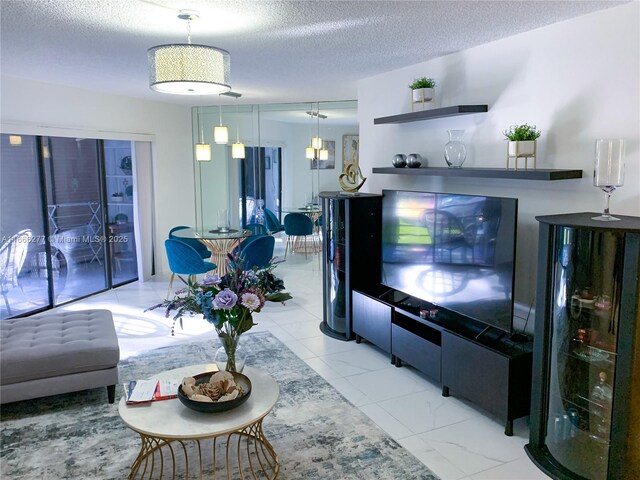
(257, 251)
(184, 260)
(257, 229)
(272, 222)
(297, 225)
(194, 243)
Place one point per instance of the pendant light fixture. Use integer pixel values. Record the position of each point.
(310, 153)
(220, 133)
(189, 69)
(203, 150)
(324, 153)
(317, 150)
(237, 149)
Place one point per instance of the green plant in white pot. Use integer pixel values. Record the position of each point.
(422, 89)
(522, 143)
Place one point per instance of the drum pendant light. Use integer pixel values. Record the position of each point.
(189, 69)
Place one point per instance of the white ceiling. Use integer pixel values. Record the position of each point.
(281, 51)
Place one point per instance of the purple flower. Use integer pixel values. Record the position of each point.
(250, 300)
(210, 280)
(225, 300)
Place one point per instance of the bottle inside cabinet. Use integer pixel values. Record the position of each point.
(584, 348)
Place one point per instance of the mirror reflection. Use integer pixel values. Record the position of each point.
(291, 153)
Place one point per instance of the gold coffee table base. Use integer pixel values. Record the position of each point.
(245, 453)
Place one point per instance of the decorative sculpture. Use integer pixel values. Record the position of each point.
(349, 179)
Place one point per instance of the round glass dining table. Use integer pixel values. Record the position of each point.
(218, 241)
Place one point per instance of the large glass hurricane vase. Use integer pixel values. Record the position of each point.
(608, 171)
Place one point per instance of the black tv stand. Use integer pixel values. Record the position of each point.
(466, 358)
(496, 337)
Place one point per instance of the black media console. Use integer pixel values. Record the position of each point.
(468, 360)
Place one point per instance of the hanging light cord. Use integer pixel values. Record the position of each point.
(189, 31)
(220, 108)
(201, 127)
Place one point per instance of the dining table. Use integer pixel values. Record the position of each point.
(219, 241)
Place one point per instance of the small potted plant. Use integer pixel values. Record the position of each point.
(117, 197)
(521, 143)
(422, 89)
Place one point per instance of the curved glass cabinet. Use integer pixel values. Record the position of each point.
(585, 421)
(350, 232)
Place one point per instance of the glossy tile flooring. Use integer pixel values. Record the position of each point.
(452, 437)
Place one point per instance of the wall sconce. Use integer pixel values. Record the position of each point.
(15, 140)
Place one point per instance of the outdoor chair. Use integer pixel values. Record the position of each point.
(12, 255)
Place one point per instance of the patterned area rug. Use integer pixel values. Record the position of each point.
(316, 432)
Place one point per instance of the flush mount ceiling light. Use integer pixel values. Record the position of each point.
(188, 69)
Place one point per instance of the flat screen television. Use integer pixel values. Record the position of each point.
(453, 251)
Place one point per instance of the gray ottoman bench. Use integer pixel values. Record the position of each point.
(58, 353)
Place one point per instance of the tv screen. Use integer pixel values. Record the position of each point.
(454, 251)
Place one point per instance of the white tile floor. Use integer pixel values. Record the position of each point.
(450, 436)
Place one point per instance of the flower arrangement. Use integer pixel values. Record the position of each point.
(228, 302)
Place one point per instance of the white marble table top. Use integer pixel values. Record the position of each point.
(171, 419)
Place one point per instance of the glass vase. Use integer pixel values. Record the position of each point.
(455, 152)
(230, 356)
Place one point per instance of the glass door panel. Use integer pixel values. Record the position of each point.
(24, 275)
(260, 183)
(118, 162)
(75, 216)
(584, 348)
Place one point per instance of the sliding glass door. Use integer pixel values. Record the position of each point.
(61, 238)
(24, 276)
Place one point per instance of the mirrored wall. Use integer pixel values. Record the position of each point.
(291, 153)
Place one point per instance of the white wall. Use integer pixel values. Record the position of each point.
(577, 81)
(31, 107)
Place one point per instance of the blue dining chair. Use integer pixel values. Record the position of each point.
(184, 260)
(272, 222)
(257, 229)
(192, 242)
(257, 251)
(297, 225)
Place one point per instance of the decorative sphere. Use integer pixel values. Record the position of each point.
(399, 160)
(414, 160)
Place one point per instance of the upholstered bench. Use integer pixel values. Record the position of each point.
(58, 353)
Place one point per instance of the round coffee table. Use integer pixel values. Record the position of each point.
(173, 435)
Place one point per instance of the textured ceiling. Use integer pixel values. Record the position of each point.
(281, 51)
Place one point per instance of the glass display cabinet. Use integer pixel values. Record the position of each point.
(350, 234)
(585, 412)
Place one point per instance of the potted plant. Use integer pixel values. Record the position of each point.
(422, 89)
(117, 197)
(521, 142)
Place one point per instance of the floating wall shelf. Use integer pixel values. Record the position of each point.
(539, 174)
(452, 111)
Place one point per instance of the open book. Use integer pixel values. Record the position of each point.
(141, 392)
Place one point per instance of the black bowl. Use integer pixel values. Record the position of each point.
(213, 407)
